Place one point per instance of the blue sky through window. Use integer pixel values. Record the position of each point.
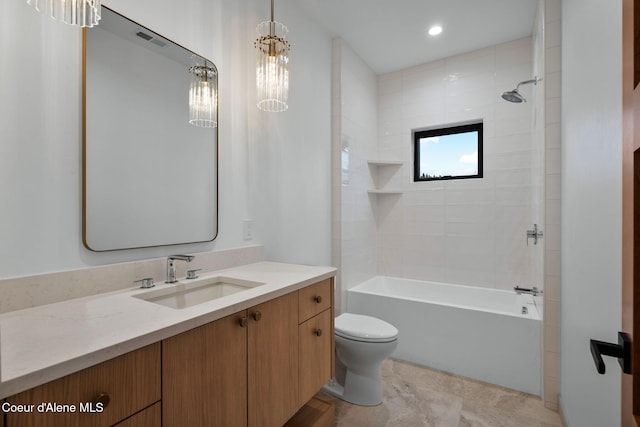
(449, 155)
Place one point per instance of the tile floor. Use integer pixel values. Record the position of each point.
(415, 396)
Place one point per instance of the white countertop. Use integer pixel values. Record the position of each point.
(43, 343)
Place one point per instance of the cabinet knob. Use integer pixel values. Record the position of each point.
(102, 398)
(317, 299)
(257, 316)
(243, 322)
(317, 332)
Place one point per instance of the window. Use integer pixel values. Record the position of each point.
(448, 153)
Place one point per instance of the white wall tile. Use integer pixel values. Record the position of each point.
(552, 11)
(553, 135)
(479, 196)
(552, 34)
(359, 127)
(552, 84)
(481, 278)
(516, 52)
(553, 60)
(553, 185)
(471, 213)
(512, 178)
(479, 61)
(510, 143)
(516, 160)
(512, 126)
(460, 231)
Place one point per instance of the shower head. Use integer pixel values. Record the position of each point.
(514, 95)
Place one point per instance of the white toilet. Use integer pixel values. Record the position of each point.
(362, 343)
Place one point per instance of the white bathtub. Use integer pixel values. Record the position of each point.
(474, 332)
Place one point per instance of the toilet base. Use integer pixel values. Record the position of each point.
(334, 388)
(358, 390)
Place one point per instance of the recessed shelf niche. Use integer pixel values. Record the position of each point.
(375, 166)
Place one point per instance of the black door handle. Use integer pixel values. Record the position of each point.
(622, 351)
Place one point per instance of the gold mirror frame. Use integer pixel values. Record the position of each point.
(149, 205)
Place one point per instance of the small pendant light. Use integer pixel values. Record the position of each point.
(272, 66)
(81, 13)
(203, 96)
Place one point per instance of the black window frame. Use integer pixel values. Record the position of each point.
(443, 131)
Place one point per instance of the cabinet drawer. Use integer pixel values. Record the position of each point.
(131, 381)
(314, 299)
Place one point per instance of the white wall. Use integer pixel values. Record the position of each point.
(591, 208)
(273, 169)
(290, 153)
(469, 231)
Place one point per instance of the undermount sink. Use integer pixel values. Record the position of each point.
(185, 295)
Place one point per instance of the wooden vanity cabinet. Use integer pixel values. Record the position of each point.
(255, 368)
(129, 383)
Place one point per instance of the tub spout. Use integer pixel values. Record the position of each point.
(533, 291)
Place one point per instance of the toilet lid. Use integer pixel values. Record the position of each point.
(364, 328)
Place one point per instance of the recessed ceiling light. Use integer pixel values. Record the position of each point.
(435, 30)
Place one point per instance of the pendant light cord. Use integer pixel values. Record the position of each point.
(272, 20)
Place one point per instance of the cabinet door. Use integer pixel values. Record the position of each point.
(273, 361)
(128, 383)
(150, 417)
(204, 375)
(315, 354)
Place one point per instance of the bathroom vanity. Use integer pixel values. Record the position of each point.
(252, 358)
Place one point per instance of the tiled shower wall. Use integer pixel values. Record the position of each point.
(354, 136)
(470, 231)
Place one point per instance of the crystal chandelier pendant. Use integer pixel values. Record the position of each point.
(81, 13)
(203, 96)
(272, 65)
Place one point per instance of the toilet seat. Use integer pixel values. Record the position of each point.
(357, 327)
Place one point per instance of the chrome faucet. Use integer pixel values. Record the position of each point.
(171, 267)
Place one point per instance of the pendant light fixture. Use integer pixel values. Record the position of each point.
(272, 66)
(81, 13)
(203, 96)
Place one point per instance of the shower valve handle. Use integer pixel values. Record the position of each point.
(534, 234)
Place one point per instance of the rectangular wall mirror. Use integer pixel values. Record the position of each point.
(150, 178)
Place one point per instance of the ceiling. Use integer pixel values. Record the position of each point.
(392, 34)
